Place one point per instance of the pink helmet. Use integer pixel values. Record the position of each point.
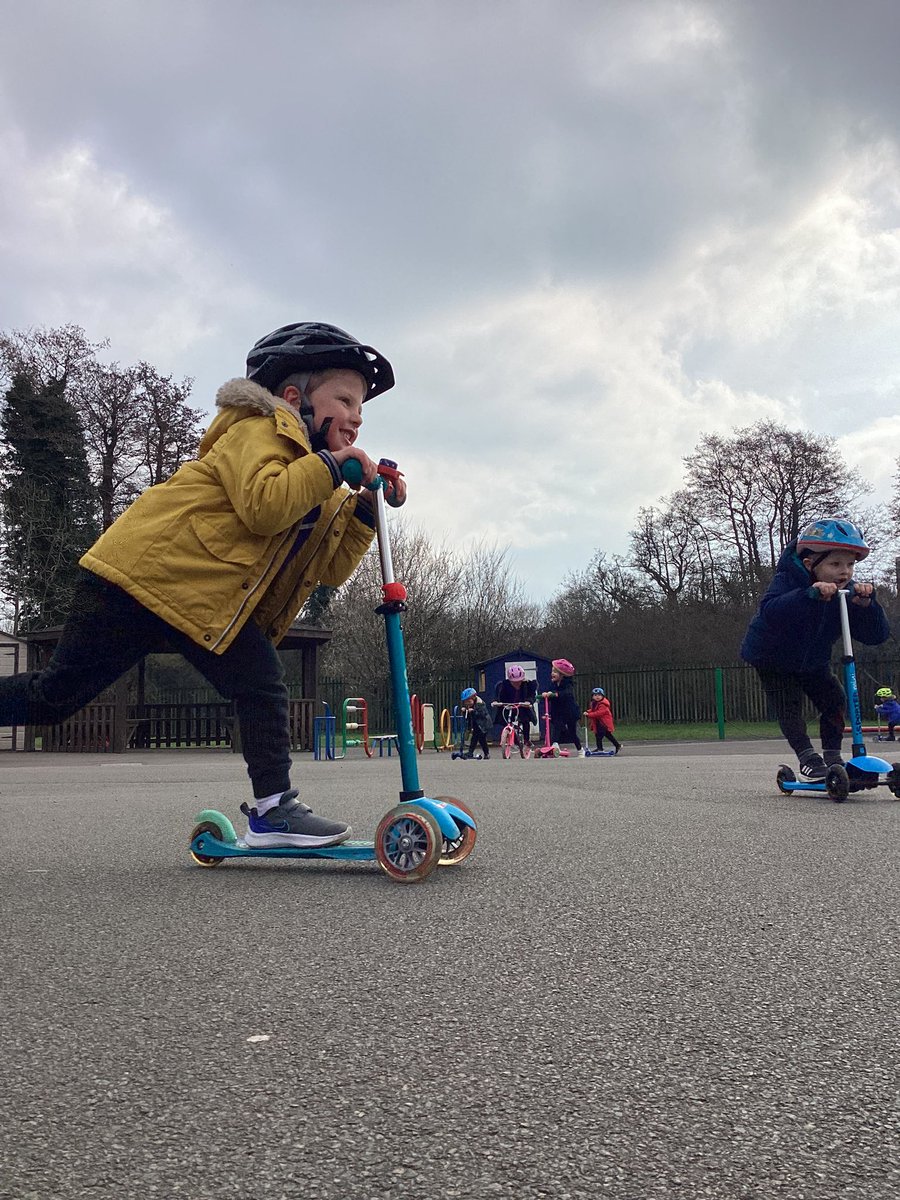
(563, 666)
(515, 673)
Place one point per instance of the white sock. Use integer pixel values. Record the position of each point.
(263, 806)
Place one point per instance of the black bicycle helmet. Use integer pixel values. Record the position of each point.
(314, 346)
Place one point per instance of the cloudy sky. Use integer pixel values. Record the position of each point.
(585, 233)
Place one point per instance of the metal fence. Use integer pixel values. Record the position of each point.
(643, 695)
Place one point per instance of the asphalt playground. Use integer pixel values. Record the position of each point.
(654, 977)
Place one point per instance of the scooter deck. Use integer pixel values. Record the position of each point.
(205, 844)
(209, 846)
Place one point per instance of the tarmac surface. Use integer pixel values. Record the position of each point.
(654, 977)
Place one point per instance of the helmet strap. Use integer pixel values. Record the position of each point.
(318, 438)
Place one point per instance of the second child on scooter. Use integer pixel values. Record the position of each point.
(790, 639)
(565, 711)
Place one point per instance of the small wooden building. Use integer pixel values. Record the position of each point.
(112, 724)
(13, 656)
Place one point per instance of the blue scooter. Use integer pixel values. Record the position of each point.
(863, 771)
(421, 832)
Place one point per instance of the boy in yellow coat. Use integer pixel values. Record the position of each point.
(218, 560)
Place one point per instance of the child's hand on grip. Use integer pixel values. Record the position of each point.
(369, 468)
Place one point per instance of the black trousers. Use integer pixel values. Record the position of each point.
(479, 738)
(601, 732)
(565, 731)
(785, 693)
(107, 632)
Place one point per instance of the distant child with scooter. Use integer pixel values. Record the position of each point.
(601, 718)
(790, 639)
(478, 721)
(888, 708)
(565, 711)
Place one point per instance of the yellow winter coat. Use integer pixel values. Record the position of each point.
(204, 550)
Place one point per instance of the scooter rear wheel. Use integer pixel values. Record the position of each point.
(408, 843)
(206, 860)
(785, 775)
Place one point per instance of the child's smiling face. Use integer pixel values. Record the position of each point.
(339, 397)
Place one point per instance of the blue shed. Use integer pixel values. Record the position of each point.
(490, 672)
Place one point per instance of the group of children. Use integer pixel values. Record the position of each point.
(789, 642)
(516, 691)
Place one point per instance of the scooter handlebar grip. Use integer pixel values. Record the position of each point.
(352, 472)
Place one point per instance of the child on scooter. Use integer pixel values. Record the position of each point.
(888, 708)
(790, 639)
(601, 718)
(217, 561)
(478, 721)
(565, 711)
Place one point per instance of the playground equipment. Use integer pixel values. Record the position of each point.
(323, 734)
(355, 716)
(863, 771)
(423, 723)
(421, 831)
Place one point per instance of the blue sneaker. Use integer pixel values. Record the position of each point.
(291, 823)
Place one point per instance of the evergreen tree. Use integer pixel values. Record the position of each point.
(48, 505)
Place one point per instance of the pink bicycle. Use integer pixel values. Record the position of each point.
(511, 734)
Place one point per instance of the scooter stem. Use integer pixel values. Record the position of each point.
(850, 685)
(394, 603)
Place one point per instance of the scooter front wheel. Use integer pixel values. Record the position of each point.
(408, 843)
(455, 852)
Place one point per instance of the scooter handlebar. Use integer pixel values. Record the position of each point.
(386, 478)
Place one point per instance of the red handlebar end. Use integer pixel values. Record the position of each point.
(393, 591)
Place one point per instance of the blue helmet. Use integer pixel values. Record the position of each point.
(597, 692)
(832, 533)
(467, 693)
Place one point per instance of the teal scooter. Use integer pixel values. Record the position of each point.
(863, 771)
(421, 832)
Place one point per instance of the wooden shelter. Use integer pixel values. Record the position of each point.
(111, 724)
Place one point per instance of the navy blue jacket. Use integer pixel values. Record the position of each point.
(564, 707)
(794, 630)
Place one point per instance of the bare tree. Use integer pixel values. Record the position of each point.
(462, 609)
(47, 357)
(171, 429)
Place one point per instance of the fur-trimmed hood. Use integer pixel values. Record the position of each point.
(241, 398)
(244, 393)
